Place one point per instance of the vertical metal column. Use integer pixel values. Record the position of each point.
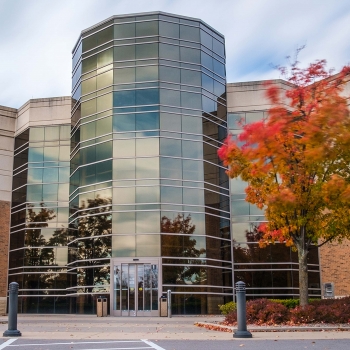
(12, 315)
(169, 303)
(241, 331)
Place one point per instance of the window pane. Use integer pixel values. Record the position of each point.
(147, 28)
(147, 121)
(170, 168)
(147, 194)
(52, 133)
(35, 175)
(170, 122)
(193, 170)
(147, 147)
(147, 96)
(190, 77)
(124, 75)
(189, 33)
(124, 122)
(171, 194)
(219, 68)
(191, 100)
(146, 51)
(89, 64)
(146, 73)
(147, 245)
(207, 61)
(124, 98)
(87, 131)
(171, 52)
(50, 175)
(190, 55)
(170, 147)
(147, 168)
(104, 150)
(104, 171)
(124, 148)
(123, 245)
(105, 79)
(147, 222)
(34, 193)
(123, 169)
(169, 74)
(191, 124)
(35, 154)
(169, 29)
(36, 134)
(124, 30)
(124, 195)
(193, 196)
(104, 35)
(88, 85)
(218, 48)
(51, 154)
(192, 149)
(103, 126)
(88, 107)
(170, 97)
(104, 102)
(207, 39)
(124, 53)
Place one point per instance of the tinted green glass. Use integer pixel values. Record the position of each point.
(189, 33)
(147, 168)
(104, 79)
(148, 245)
(124, 30)
(50, 175)
(191, 100)
(147, 194)
(88, 154)
(104, 150)
(104, 171)
(171, 194)
(89, 42)
(190, 55)
(88, 107)
(124, 122)
(104, 58)
(104, 102)
(123, 169)
(146, 51)
(124, 53)
(190, 77)
(124, 98)
(104, 35)
(146, 73)
(147, 147)
(36, 134)
(123, 246)
(147, 96)
(50, 192)
(171, 30)
(88, 85)
(103, 126)
(36, 154)
(87, 175)
(89, 64)
(88, 131)
(171, 52)
(147, 121)
(147, 222)
(170, 168)
(147, 28)
(124, 75)
(170, 97)
(170, 147)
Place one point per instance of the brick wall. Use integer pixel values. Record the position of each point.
(334, 260)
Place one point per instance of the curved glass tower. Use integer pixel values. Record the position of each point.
(149, 199)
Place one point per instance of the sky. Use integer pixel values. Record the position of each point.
(37, 37)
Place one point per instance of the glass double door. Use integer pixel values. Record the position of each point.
(135, 290)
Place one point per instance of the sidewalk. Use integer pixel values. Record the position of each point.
(91, 327)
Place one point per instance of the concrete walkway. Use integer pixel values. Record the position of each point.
(90, 327)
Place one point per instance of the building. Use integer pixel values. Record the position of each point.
(118, 191)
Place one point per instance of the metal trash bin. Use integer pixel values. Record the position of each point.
(163, 308)
(101, 307)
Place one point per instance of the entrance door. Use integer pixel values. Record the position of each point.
(135, 290)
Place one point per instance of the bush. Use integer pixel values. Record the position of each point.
(288, 303)
(227, 308)
(268, 312)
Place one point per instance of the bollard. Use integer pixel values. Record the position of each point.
(12, 315)
(241, 331)
(169, 303)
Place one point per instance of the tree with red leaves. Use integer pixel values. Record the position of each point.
(296, 162)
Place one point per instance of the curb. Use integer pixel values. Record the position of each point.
(222, 328)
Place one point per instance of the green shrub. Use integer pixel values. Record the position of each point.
(225, 309)
(288, 303)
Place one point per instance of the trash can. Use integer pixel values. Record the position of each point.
(163, 301)
(101, 307)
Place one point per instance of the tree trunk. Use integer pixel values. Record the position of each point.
(303, 276)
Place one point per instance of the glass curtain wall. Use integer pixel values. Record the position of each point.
(148, 115)
(270, 272)
(39, 219)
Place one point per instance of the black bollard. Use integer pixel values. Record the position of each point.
(12, 314)
(241, 331)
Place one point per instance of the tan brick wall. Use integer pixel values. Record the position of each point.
(4, 245)
(334, 261)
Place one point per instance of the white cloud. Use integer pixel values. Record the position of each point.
(38, 36)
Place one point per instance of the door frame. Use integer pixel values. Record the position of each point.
(146, 260)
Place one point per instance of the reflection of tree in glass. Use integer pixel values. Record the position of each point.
(93, 242)
(252, 253)
(179, 243)
(34, 239)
